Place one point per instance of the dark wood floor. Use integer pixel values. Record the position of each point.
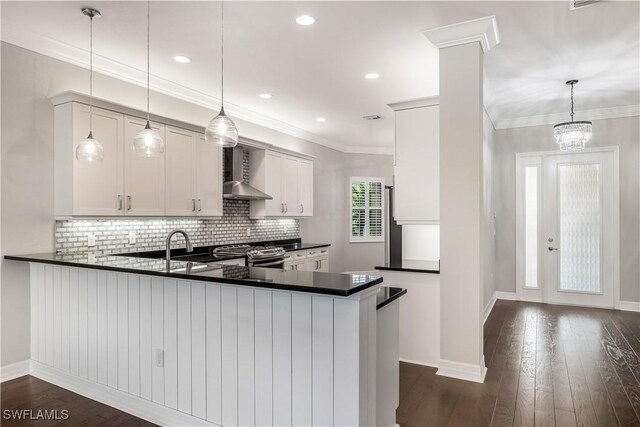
(32, 393)
(547, 365)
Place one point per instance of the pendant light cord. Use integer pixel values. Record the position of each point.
(572, 102)
(91, 76)
(148, 58)
(222, 54)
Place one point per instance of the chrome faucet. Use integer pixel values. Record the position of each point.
(186, 238)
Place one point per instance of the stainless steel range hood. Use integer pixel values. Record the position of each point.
(234, 186)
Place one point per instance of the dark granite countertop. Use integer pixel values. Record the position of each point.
(387, 295)
(290, 280)
(412, 266)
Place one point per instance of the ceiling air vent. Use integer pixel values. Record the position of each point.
(372, 117)
(577, 4)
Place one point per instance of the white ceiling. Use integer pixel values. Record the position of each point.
(319, 70)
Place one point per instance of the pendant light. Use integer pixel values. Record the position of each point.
(221, 130)
(148, 142)
(572, 136)
(90, 149)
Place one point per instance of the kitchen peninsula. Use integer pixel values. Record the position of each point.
(209, 343)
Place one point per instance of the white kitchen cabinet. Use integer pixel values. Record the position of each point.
(180, 172)
(143, 176)
(287, 179)
(417, 162)
(208, 178)
(88, 188)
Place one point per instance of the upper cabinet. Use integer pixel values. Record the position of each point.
(287, 179)
(185, 181)
(417, 162)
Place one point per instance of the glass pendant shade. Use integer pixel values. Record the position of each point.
(90, 150)
(148, 143)
(222, 131)
(572, 136)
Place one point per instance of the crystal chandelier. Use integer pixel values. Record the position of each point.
(572, 136)
(90, 149)
(148, 142)
(221, 130)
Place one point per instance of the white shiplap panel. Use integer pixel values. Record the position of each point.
(346, 391)
(322, 360)
(263, 358)
(112, 330)
(64, 319)
(157, 338)
(198, 359)
(83, 323)
(57, 317)
(146, 353)
(281, 359)
(73, 321)
(38, 325)
(123, 332)
(134, 334)
(228, 297)
(93, 330)
(184, 346)
(246, 349)
(170, 344)
(103, 328)
(301, 359)
(49, 314)
(214, 355)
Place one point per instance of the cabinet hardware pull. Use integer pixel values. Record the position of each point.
(281, 207)
(301, 208)
(128, 203)
(286, 208)
(193, 205)
(119, 202)
(199, 205)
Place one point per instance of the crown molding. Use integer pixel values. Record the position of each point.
(482, 30)
(552, 119)
(67, 53)
(415, 103)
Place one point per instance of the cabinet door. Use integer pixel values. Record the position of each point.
(208, 178)
(299, 266)
(273, 184)
(323, 264)
(417, 170)
(311, 265)
(305, 188)
(180, 158)
(98, 186)
(143, 176)
(290, 186)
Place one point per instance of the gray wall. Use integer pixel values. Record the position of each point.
(623, 132)
(27, 222)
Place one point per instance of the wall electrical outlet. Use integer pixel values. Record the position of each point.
(159, 358)
(91, 239)
(132, 237)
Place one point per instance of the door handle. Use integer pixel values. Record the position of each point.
(301, 208)
(551, 248)
(199, 205)
(193, 205)
(281, 207)
(128, 203)
(119, 202)
(286, 208)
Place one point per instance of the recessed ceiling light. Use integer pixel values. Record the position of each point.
(182, 59)
(305, 20)
(321, 119)
(266, 96)
(371, 76)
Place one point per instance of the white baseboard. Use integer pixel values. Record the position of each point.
(509, 296)
(629, 306)
(462, 371)
(415, 362)
(488, 308)
(126, 402)
(15, 370)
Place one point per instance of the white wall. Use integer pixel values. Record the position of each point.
(27, 223)
(622, 132)
(488, 239)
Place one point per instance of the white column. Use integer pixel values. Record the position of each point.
(461, 194)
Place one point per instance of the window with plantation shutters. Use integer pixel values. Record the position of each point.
(367, 209)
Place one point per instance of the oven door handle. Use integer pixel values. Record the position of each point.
(268, 264)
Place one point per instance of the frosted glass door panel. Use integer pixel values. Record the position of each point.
(580, 221)
(531, 226)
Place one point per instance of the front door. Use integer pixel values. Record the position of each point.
(573, 248)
